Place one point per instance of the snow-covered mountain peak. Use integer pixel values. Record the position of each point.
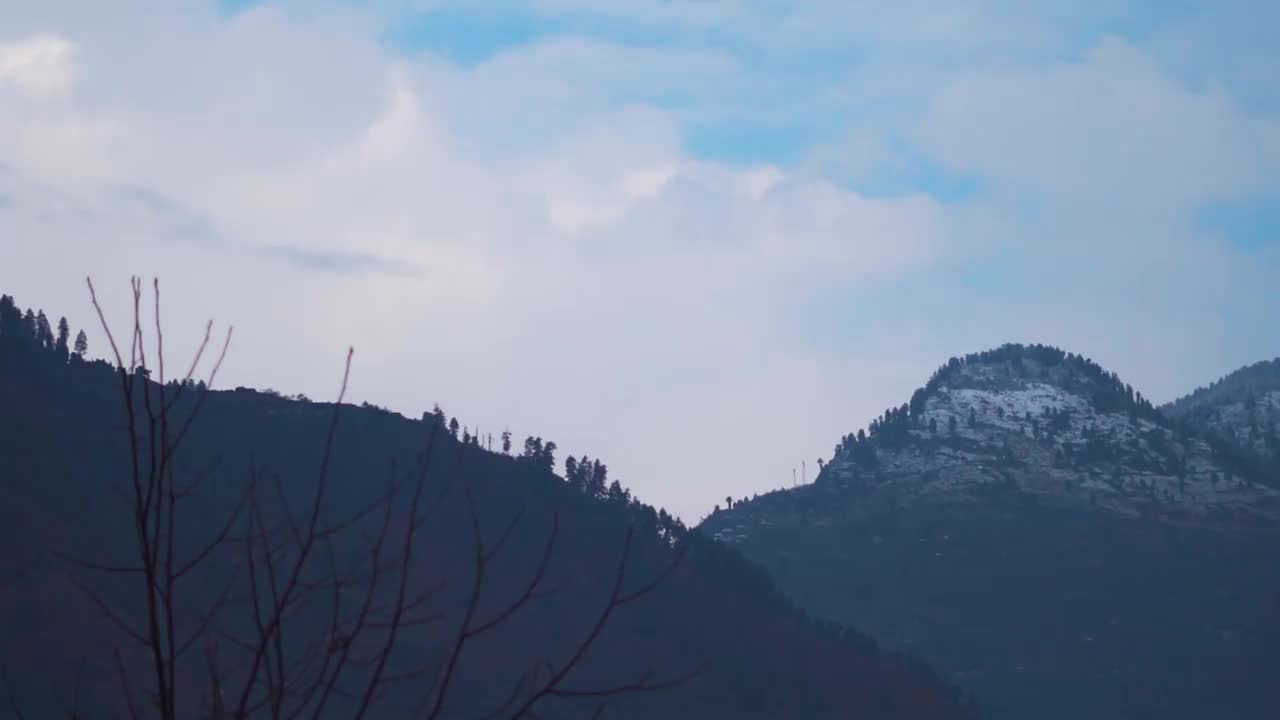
(1050, 424)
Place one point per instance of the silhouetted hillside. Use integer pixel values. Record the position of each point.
(715, 628)
(1039, 531)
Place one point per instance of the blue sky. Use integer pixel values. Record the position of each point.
(675, 224)
(1198, 43)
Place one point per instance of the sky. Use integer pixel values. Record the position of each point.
(697, 239)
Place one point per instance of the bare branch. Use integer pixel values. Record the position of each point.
(106, 329)
(125, 685)
(73, 712)
(137, 636)
(643, 684)
(553, 686)
(405, 563)
(87, 565)
(530, 588)
(217, 541)
(155, 284)
(186, 424)
(195, 361)
(276, 616)
(203, 624)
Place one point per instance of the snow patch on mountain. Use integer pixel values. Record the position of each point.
(1057, 428)
(1048, 440)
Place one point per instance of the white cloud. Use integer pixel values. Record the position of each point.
(1111, 128)
(567, 270)
(41, 65)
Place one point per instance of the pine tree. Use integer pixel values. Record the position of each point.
(597, 481)
(453, 427)
(578, 476)
(666, 524)
(10, 319)
(506, 442)
(29, 325)
(44, 332)
(64, 335)
(548, 456)
(619, 494)
(82, 344)
(952, 424)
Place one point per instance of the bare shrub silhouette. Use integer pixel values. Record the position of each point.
(286, 612)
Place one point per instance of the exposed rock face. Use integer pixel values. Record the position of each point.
(1046, 536)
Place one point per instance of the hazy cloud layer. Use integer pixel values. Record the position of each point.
(534, 239)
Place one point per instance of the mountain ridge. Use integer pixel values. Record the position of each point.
(1046, 536)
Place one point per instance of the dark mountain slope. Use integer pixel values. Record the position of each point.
(1045, 536)
(64, 488)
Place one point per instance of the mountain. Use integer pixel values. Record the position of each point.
(1048, 538)
(571, 587)
(1239, 416)
(1058, 427)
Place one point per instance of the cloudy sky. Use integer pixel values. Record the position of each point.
(699, 239)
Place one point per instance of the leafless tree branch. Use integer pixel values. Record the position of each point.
(275, 659)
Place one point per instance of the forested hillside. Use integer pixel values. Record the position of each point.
(1239, 416)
